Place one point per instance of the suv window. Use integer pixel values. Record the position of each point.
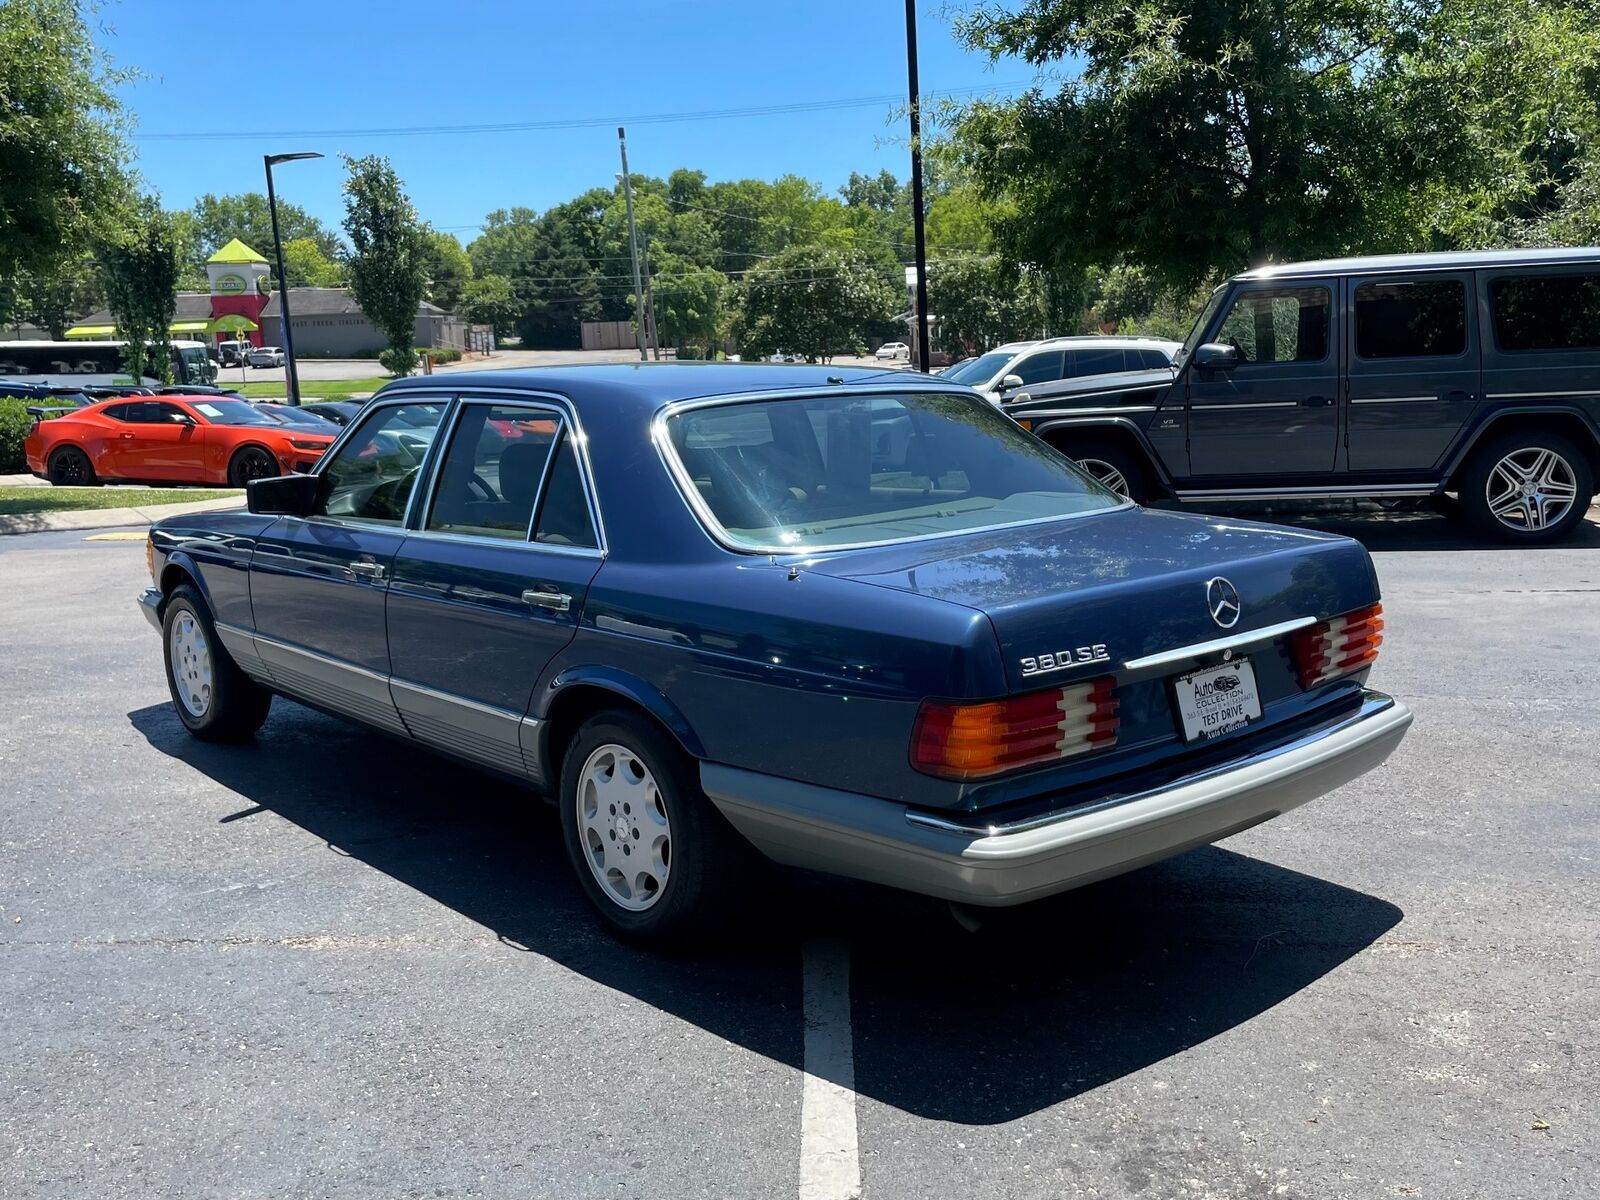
(1099, 360)
(1151, 359)
(1411, 319)
(492, 471)
(1045, 367)
(564, 511)
(1278, 325)
(371, 477)
(1547, 312)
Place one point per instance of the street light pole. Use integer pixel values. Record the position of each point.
(633, 241)
(291, 376)
(919, 235)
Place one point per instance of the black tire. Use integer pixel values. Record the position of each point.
(251, 462)
(708, 860)
(1120, 469)
(70, 467)
(235, 705)
(1479, 477)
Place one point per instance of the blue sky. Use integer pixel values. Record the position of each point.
(298, 67)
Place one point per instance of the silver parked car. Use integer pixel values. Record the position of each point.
(265, 356)
(1035, 366)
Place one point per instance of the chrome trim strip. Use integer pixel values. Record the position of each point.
(1313, 493)
(325, 659)
(1391, 399)
(1539, 395)
(713, 528)
(1369, 708)
(473, 539)
(1259, 404)
(488, 710)
(533, 723)
(1199, 649)
(1104, 410)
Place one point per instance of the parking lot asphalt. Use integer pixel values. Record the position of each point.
(328, 963)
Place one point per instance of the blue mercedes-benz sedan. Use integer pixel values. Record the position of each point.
(853, 620)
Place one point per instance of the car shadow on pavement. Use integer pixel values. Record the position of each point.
(1039, 1005)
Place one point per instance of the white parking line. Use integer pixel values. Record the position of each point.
(830, 1163)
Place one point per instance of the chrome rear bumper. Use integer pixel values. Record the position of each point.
(1000, 864)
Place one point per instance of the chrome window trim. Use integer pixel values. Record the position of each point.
(472, 539)
(375, 404)
(714, 529)
(1216, 645)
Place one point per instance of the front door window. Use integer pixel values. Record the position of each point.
(372, 475)
(1278, 325)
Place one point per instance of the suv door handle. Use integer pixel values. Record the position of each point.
(1458, 394)
(1316, 402)
(557, 601)
(366, 570)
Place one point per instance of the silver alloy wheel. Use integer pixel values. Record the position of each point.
(622, 821)
(191, 664)
(1106, 474)
(1531, 489)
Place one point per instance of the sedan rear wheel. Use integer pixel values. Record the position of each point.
(650, 851)
(250, 463)
(70, 467)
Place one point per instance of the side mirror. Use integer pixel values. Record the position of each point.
(186, 419)
(1009, 382)
(284, 495)
(1214, 356)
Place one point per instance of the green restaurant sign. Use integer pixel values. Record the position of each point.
(229, 285)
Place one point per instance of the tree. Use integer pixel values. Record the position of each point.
(62, 184)
(388, 266)
(307, 266)
(1197, 138)
(688, 303)
(54, 300)
(816, 301)
(141, 267)
(449, 269)
(982, 302)
(220, 219)
(489, 300)
(548, 261)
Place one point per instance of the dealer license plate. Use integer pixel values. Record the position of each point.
(1213, 701)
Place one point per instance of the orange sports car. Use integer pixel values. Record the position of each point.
(170, 439)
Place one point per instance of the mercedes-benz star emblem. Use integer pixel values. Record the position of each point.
(1222, 601)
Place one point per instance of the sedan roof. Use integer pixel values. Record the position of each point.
(651, 385)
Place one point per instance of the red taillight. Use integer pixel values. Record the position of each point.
(1333, 648)
(970, 741)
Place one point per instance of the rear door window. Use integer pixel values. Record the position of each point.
(564, 518)
(1095, 360)
(1411, 318)
(1278, 325)
(492, 471)
(1042, 368)
(1546, 312)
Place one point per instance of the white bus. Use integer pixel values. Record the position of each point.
(87, 364)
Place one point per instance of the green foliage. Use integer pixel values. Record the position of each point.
(14, 425)
(449, 269)
(488, 300)
(689, 303)
(441, 354)
(59, 294)
(141, 271)
(815, 301)
(388, 266)
(220, 219)
(62, 183)
(307, 266)
(982, 302)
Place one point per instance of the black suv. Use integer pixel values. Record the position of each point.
(1404, 376)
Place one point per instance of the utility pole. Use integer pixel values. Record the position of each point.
(650, 305)
(919, 235)
(633, 242)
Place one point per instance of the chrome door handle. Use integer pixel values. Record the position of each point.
(367, 570)
(557, 601)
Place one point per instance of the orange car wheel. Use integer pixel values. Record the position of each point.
(69, 466)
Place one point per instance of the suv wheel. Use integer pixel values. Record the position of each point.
(651, 853)
(216, 701)
(1110, 464)
(1527, 487)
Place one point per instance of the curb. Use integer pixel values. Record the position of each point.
(107, 518)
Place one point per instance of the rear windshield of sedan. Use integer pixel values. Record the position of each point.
(838, 471)
(231, 412)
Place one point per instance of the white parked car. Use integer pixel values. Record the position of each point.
(265, 356)
(892, 350)
(1038, 367)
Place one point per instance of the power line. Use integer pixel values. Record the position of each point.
(667, 118)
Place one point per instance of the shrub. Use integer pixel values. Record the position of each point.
(692, 352)
(400, 361)
(14, 425)
(441, 354)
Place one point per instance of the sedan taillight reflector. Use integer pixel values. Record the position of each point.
(971, 741)
(1338, 647)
